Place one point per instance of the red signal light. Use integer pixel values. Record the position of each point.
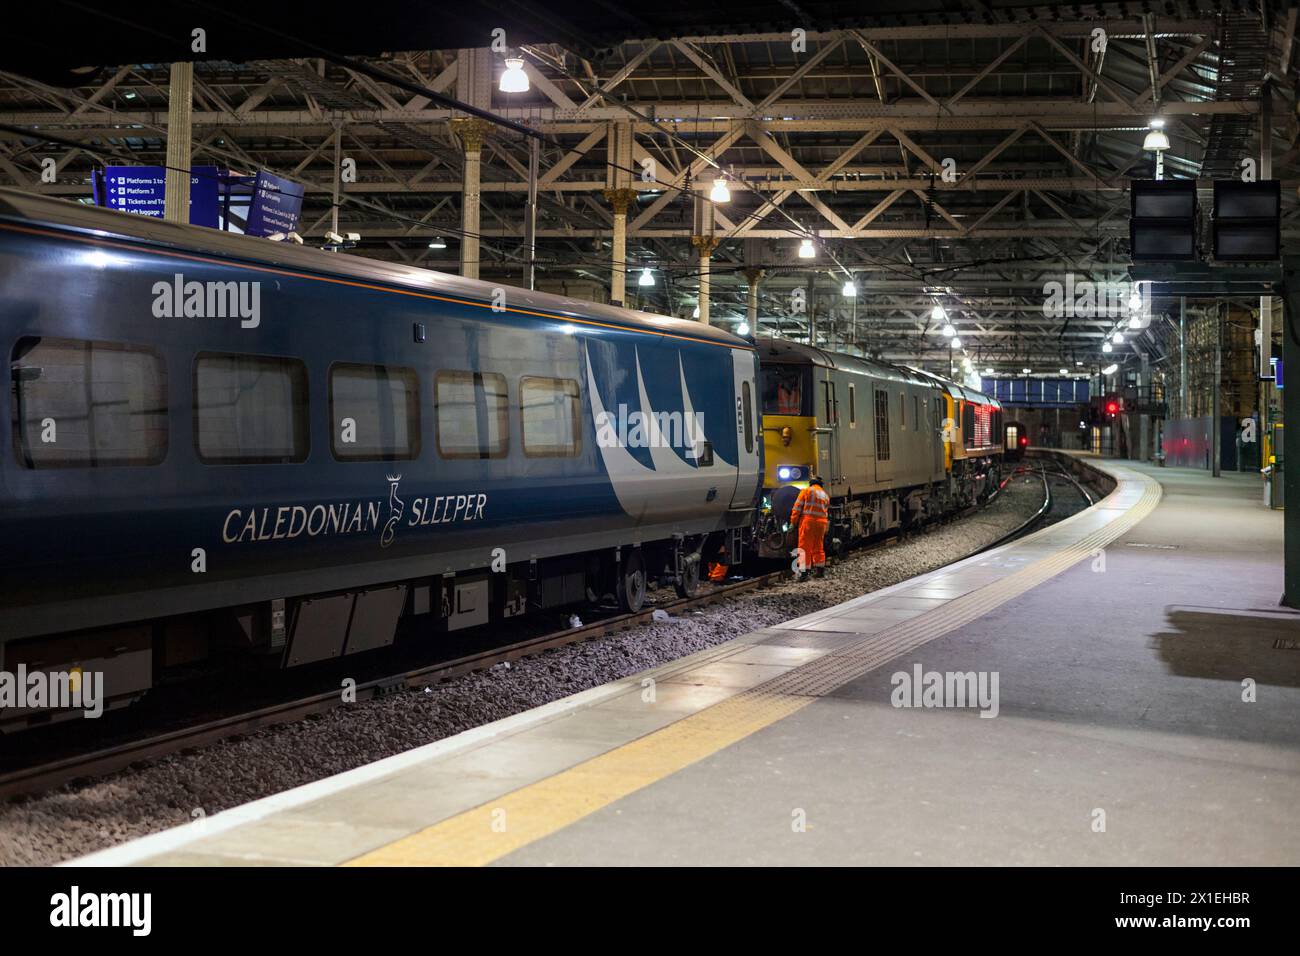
(1112, 408)
(1024, 441)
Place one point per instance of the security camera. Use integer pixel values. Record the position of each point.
(294, 237)
(333, 239)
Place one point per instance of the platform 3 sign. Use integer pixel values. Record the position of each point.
(276, 205)
(142, 190)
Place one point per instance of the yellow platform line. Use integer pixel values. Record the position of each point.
(492, 830)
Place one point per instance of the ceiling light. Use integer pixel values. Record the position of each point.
(1135, 322)
(720, 192)
(949, 331)
(988, 371)
(1118, 338)
(937, 313)
(1156, 141)
(742, 328)
(438, 243)
(1105, 346)
(1135, 301)
(646, 278)
(1110, 370)
(1065, 371)
(806, 250)
(1026, 371)
(514, 79)
(955, 343)
(850, 290)
(1156, 123)
(696, 313)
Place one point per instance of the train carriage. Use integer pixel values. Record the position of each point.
(220, 441)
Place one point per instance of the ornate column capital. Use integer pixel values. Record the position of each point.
(705, 244)
(470, 132)
(620, 199)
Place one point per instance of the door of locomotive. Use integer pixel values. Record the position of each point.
(749, 429)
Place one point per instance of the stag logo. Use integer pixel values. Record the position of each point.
(396, 507)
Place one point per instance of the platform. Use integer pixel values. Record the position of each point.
(1120, 639)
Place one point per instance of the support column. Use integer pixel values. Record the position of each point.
(1288, 455)
(180, 102)
(1215, 407)
(338, 175)
(470, 132)
(753, 277)
(621, 200)
(704, 245)
(1182, 357)
(1144, 420)
(530, 220)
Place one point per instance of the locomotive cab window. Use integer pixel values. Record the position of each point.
(374, 412)
(78, 403)
(250, 409)
(786, 390)
(551, 417)
(473, 412)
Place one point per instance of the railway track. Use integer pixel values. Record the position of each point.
(42, 776)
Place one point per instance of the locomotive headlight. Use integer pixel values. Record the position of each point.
(786, 435)
(784, 473)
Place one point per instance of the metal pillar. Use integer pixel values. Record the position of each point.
(1290, 456)
(180, 103)
(1144, 420)
(1216, 452)
(621, 197)
(753, 277)
(338, 175)
(1265, 172)
(704, 242)
(1182, 357)
(530, 217)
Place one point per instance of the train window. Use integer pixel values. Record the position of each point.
(551, 416)
(916, 411)
(374, 412)
(747, 406)
(882, 425)
(853, 410)
(832, 407)
(78, 403)
(902, 410)
(786, 390)
(473, 413)
(250, 409)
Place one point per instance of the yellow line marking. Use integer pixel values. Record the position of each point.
(492, 830)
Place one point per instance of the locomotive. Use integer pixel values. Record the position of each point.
(894, 446)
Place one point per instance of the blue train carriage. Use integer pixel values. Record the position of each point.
(221, 442)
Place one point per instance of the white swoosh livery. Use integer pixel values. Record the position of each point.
(673, 488)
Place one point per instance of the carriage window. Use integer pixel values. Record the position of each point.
(473, 413)
(747, 404)
(374, 412)
(902, 410)
(87, 404)
(882, 425)
(551, 418)
(916, 412)
(853, 409)
(250, 409)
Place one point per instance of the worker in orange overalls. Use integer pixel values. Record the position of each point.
(811, 516)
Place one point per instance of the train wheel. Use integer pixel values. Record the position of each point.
(689, 584)
(630, 586)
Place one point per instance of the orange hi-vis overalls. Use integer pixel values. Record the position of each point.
(811, 515)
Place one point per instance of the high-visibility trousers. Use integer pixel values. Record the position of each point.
(812, 537)
(718, 572)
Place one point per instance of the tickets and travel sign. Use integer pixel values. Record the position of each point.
(275, 206)
(142, 190)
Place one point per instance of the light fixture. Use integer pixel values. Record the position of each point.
(1065, 371)
(742, 328)
(1135, 322)
(806, 250)
(646, 278)
(955, 343)
(988, 371)
(1156, 140)
(850, 290)
(1118, 338)
(514, 79)
(1026, 371)
(1135, 301)
(949, 331)
(696, 313)
(937, 313)
(438, 243)
(1105, 346)
(720, 192)
(1078, 363)
(1110, 370)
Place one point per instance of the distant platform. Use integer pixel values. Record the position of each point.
(1120, 639)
